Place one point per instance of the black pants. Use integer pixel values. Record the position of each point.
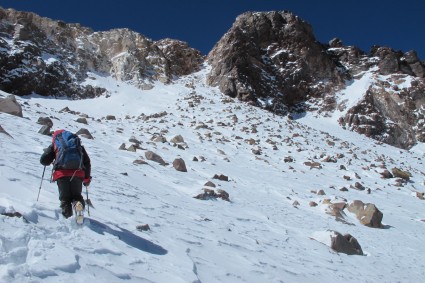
(70, 190)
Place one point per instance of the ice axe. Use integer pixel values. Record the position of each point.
(88, 201)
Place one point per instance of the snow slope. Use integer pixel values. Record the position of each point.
(259, 236)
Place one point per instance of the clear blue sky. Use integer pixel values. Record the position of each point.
(363, 23)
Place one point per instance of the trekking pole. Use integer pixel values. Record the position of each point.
(42, 177)
(88, 201)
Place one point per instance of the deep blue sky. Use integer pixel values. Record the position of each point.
(363, 23)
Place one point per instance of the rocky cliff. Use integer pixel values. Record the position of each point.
(273, 59)
(53, 58)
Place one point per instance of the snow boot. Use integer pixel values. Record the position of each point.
(66, 209)
(79, 215)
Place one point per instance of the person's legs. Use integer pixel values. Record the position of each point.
(65, 196)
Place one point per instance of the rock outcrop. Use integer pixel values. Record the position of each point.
(54, 58)
(272, 59)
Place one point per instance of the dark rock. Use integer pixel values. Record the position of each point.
(209, 184)
(45, 121)
(45, 130)
(82, 120)
(3, 131)
(221, 177)
(84, 133)
(154, 157)
(143, 227)
(280, 45)
(346, 244)
(398, 173)
(179, 165)
(368, 214)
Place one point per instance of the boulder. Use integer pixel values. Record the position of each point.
(209, 184)
(221, 177)
(177, 139)
(368, 214)
(84, 133)
(82, 120)
(398, 173)
(346, 244)
(154, 157)
(179, 165)
(132, 148)
(45, 130)
(45, 121)
(10, 106)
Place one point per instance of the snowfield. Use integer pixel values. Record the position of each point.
(260, 235)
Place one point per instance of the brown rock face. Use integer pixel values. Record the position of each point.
(53, 58)
(183, 59)
(274, 58)
(393, 116)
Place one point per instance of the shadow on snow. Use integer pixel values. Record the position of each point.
(128, 238)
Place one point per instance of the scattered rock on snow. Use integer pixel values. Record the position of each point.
(139, 161)
(45, 130)
(211, 194)
(45, 121)
(209, 184)
(143, 227)
(82, 120)
(401, 174)
(179, 165)
(221, 177)
(340, 243)
(154, 157)
(386, 174)
(368, 214)
(84, 133)
(177, 139)
(10, 106)
(313, 165)
(2, 131)
(346, 244)
(132, 148)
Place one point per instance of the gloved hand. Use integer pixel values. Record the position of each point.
(87, 181)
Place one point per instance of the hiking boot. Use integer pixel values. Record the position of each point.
(66, 209)
(78, 206)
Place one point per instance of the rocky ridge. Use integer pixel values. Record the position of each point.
(53, 58)
(268, 59)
